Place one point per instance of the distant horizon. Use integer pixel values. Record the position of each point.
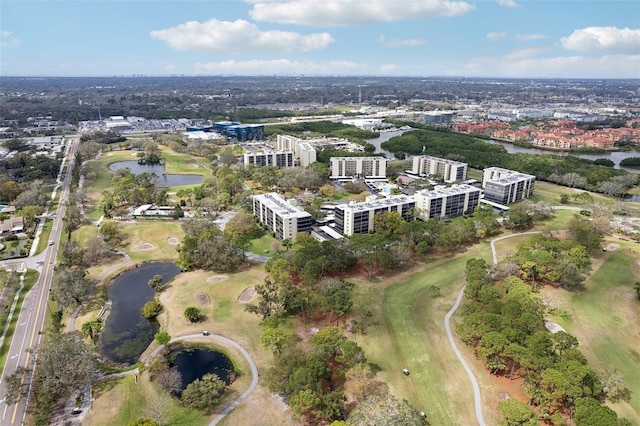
(438, 77)
(512, 39)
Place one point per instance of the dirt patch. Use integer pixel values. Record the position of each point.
(203, 298)
(613, 247)
(213, 278)
(247, 295)
(143, 247)
(173, 241)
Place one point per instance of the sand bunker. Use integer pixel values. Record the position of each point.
(552, 326)
(247, 295)
(173, 241)
(613, 247)
(203, 298)
(144, 246)
(216, 278)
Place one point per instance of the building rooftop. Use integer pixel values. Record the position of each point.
(379, 203)
(276, 203)
(446, 191)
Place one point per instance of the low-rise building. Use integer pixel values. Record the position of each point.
(446, 202)
(358, 218)
(281, 217)
(504, 186)
(11, 226)
(358, 167)
(450, 170)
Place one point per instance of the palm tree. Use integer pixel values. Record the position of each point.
(92, 328)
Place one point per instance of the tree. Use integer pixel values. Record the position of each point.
(64, 364)
(273, 338)
(517, 413)
(192, 314)
(71, 254)
(337, 299)
(144, 422)
(242, 224)
(16, 385)
(589, 412)
(585, 233)
(205, 393)
(271, 298)
(155, 282)
(170, 379)
(151, 309)
(384, 410)
(360, 383)
(70, 286)
(92, 328)
(29, 213)
(162, 337)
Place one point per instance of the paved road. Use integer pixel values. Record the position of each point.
(31, 318)
(245, 354)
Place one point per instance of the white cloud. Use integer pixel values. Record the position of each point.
(508, 3)
(598, 39)
(337, 13)
(524, 53)
(611, 66)
(5, 33)
(388, 69)
(281, 67)
(396, 42)
(237, 36)
(495, 36)
(527, 37)
(6, 40)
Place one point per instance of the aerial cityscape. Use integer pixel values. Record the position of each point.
(343, 213)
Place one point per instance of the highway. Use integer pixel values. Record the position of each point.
(31, 318)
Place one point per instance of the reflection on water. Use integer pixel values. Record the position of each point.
(158, 170)
(126, 332)
(194, 363)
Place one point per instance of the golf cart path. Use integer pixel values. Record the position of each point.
(245, 354)
(474, 383)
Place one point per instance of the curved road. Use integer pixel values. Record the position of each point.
(245, 354)
(474, 383)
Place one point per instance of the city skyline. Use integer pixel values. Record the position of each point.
(491, 38)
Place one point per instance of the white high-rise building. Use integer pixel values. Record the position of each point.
(358, 218)
(282, 218)
(303, 151)
(269, 158)
(358, 167)
(450, 170)
(505, 186)
(442, 203)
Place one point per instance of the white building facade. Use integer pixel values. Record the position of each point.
(443, 203)
(505, 186)
(358, 218)
(276, 159)
(281, 217)
(303, 151)
(451, 171)
(358, 167)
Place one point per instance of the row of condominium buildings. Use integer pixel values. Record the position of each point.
(500, 187)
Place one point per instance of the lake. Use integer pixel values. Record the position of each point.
(126, 332)
(158, 170)
(193, 363)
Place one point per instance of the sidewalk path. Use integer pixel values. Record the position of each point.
(245, 354)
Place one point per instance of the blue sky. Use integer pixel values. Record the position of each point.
(484, 38)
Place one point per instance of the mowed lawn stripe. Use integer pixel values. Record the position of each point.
(414, 321)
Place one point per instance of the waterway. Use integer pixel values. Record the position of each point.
(126, 332)
(193, 363)
(157, 169)
(615, 156)
(385, 135)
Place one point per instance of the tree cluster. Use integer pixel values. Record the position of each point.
(504, 321)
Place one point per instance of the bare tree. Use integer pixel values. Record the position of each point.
(157, 408)
(170, 379)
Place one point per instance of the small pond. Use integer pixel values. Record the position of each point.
(193, 363)
(126, 332)
(158, 170)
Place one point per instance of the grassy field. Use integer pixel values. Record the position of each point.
(605, 317)
(262, 245)
(44, 236)
(156, 233)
